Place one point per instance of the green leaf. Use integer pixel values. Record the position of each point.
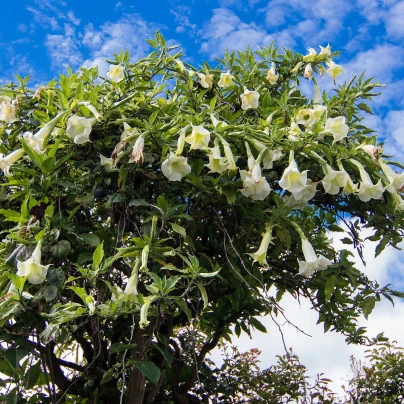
(91, 239)
(10, 215)
(50, 292)
(115, 348)
(15, 355)
(204, 295)
(162, 204)
(382, 245)
(149, 370)
(182, 304)
(179, 229)
(98, 255)
(368, 305)
(32, 375)
(329, 287)
(258, 325)
(365, 107)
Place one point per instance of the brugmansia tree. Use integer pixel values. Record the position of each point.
(149, 214)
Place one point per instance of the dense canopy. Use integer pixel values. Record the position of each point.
(148, 214)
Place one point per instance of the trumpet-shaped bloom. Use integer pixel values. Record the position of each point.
(269, 156)
(206, 80)
(199, 138)
(261, 255)
(300, 199)
(33, 268)
(311, 55)
(337, 127)
(334, 180)
(374, 151)
(36, 141)
(130, 293)
(230, 157)
(325, 51)
(175, 167)
(367, 190)
(79, 128)
(318, 99)
(128, 131)
(143, 323)
(7, 161)
(272, 77)
(306, 117)
(137, 151)
(249, 99)
(396, 180)
(334, 70)
(292, 179)
(350, 187)
(226, 80)
(8, 110)
(312, 262)
(308, 72)
(255, 186)
(294, 131)
(319, 111)
(217, 163)
(116, 73)
(107, 163)
(398, 202)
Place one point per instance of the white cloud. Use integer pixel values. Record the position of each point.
(129, 33)
(64, 49)
(182, 14)
(72, 18)
(225, 30)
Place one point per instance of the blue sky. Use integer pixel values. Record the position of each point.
(41, 37)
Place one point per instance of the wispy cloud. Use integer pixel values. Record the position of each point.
(182, 15)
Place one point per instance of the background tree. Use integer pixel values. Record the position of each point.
(147, 214)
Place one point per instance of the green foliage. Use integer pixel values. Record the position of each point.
(150, 210)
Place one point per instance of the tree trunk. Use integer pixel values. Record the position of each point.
(137, 381)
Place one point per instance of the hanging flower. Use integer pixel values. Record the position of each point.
(249, 99)
(292, 179)
(107, 163)
(396, 180)
(143, 323)
(217, 163)
(35, 142)
(175, 167)
(299, 200)
(334, 180)
(319, 111)
(294, 132)
(311, 56)
(312, 262)
(255, 186)
(374, 151)
(226, 80)
(334, 70)
(79, 128)
(318, 99)
(199, 138)
(336, 127)
(325, 51)
(261, 255)
(7, 161)
(137, 151)
(32, 267)
(206, 80)
(368, 190)
(272, 77)
(269, 156)
(8, 110)
(128, 131)
(130, 294)
(229, 156)
(306, 117)
(308, 72)
(398, 202)
(116, 73)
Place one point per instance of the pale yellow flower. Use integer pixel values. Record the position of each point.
(175, 167)
(249, 99)
(116, 73)
(226, 80)
(199, 138)
(33, 268)
(272, 77)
